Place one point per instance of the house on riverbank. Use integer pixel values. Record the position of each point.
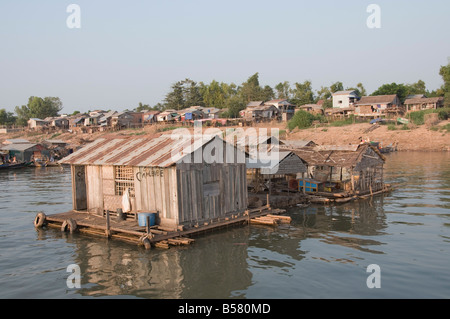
(377, 105)
(423, 103)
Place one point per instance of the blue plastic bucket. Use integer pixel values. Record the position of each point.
(142, 219)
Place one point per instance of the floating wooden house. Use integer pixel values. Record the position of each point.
(282, 165)
(342, 170)
(186, 181)
(25, 152)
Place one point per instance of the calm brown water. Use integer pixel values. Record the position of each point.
(323, 253)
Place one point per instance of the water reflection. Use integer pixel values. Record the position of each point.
(212, 267)
(322, 253)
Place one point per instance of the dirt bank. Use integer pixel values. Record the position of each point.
(420, 138)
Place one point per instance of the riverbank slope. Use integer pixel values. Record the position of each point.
(420, 138)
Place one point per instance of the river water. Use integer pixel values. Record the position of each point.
(324, 253)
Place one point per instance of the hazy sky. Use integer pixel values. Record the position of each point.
(128, 52)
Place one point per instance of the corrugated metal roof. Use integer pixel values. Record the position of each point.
(16, 141)
(18, 147)
(344, 156)
(161, 151)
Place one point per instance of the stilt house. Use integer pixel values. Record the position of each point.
(349, 169)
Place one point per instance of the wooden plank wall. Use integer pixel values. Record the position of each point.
(94, 189)
(209, 191)
(292, 164)
(156, 190)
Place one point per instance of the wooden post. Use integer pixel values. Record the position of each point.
(148, 224)
(353, 181)
(268, 203)
(108, 226)
(304, 183)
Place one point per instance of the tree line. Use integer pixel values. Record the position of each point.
(234, 98)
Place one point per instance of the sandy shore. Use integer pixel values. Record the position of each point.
(420, 138)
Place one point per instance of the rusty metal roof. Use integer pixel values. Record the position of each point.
(161, 151)
(341, 156)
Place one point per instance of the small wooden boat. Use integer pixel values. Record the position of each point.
(12, 165)
(402, 120)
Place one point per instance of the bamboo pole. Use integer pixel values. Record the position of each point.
(108, 225)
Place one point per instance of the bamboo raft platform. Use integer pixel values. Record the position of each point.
(344, 197)
(127, 229)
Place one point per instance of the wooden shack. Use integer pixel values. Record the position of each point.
(347, 169)
(161, 174)
(25, 152)
(283, 166)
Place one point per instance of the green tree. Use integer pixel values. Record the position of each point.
(324, 93)
(302, 93)
(251, 90)
(191, 92)
(445, 73)
(267, 93)
(283, 90)
(337, 86)
(183, 94)
(7, 118)
(234, 104)
(417, 88)
(301, 119)
(175, 99)
(143, 107)
(38, 108)
(361, 89)
(214, 95)
(393, 88)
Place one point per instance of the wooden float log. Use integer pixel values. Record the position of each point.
(263, 221)
(162, 244)
(179, 241)
(283, 218)
(158, 232)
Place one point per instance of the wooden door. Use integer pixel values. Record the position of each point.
(79, 196)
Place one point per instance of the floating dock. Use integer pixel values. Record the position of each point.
(127, 229)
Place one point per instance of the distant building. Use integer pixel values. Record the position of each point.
(312, 108)
(417, 104)
(344, 99)
(123, 119)
(25, 152)
(378, 104)
(263, 112)
(16, 141)
(150, 116)
(35, 123)
(255, 103)
(211, 112)
(58, 122)
(285, 108)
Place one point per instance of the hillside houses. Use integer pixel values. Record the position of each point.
(344, 104)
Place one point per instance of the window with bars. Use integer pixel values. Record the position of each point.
(123, 179)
